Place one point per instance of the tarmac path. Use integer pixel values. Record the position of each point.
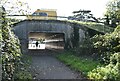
(48, 67)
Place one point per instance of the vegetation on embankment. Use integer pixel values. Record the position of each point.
(106, 48)
(80, 64)
(94, 26)
(14, 67)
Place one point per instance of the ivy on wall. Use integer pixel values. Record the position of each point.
(75, 39)
(12, 64)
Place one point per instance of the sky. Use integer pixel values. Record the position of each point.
(66, 7)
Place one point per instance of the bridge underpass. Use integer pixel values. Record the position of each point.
(51, 34)
(46, 40)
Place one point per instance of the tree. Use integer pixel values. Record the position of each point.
(113, 12)
(15, 7)
(83, 15)
(107, 22)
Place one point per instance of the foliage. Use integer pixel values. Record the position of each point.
(94, 26)
(11, 53)
(113, 12)
(0, 41)
(12, 62)
(15, 7)
(80, 64)
(23, 76)
(109, 72)
(75, 38)
(108, 46)
(83, 45)
(83, 15)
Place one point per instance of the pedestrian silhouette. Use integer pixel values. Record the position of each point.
(36, 43)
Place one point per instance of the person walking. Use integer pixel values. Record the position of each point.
(36, 43)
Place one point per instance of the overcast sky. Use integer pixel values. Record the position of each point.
(65, 7)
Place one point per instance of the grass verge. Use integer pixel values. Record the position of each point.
(80, 64)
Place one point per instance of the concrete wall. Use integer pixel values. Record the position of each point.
(23, 28)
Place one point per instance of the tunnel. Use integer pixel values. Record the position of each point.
(46, 40)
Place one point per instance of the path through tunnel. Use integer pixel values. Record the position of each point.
(46, 40)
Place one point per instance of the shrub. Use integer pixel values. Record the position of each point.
(10, 50)
(105, 45)
(111, 71)
(109, 45)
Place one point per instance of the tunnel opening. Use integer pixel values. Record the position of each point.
(46, 40)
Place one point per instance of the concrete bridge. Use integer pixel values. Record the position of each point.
(55, 34)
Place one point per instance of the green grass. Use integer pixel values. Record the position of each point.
(78, 63)
(95, 26)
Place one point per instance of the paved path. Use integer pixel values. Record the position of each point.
(48, 67)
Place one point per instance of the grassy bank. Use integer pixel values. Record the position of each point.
(80, 64)
(95, 26)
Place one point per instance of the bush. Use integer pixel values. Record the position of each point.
(111, 71)
(108, 46)
(105, 45)
(11, 53)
